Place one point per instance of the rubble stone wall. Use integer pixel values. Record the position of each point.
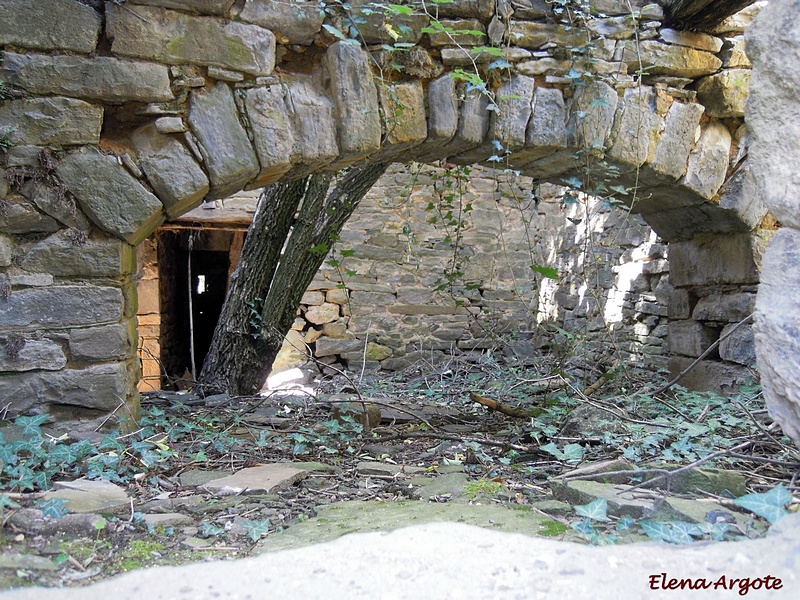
(118, 116)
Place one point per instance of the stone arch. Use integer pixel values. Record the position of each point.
(141, 111)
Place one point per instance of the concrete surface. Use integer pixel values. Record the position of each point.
(456, 561)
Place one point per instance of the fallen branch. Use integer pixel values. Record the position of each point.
(500, 407)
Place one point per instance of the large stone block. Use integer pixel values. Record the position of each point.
(442, 117)
(49, 25)
(51, 121)
(592, 111)
(96, 257)
(638, 128)
(210, 7)
(777, 330)
(724, 93)
(708, 161)
(110, 196)
(45, 355)
(18, 215)
(717, 260)
(100, 387)
(226, 149)
(178, 38)
(728, 308)
(690, 338)
(355, 97)
(403, 112)
(171, 169)
(547, 129)
(514, 103)
(710, 375)
(327, 346)
(51, 201)
(57, 307)
(535, 35)
(473, 124)
(273, 135)
(292, 22)
(103, 77)
(477, 9)
(739, 345)
(741, 197)
(658, 58)
(103, 343)
(675, 144)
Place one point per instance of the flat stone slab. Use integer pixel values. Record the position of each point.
(414, 563)
(257, 480)
(167, 519)
(89, 496)
(387, 469)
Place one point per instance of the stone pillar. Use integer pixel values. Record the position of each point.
(773, 114)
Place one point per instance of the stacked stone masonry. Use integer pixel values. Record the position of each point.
(119, 116)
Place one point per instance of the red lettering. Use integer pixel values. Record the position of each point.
(775, 585)
(721, 582)
(672, 585)
(744, 586)
(654, 580)
(756, 583)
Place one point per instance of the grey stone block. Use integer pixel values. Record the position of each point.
(710, 375)
(403, 117)
(171, 169)
(211, 7)
(724, 93)
(105, 342)
(638, 128)
(110, 196)
(730, 308)
(292, 22)
(96, 257)
(179, 38)
(473, 124)
(514, 101)
(56, 204)
(100, 387)
(715, 260)
(45, 355)
(313, 123)
(659, 58)
(226, 149)
(273, 135)
(20, 216)
(355, 98)
(739, 346)
(58, 307)
(690, 338)
(102, 78)
(51, 121)
(708, 161)
(591, 115)
(49, 25)
(676, 141)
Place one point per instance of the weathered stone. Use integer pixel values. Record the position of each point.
(51, 121)
(355, 98)
(777, 334)
(442, 113)
(675, 144)
(737, 23)
(171, 169)
(20, 216)
(741, 196)
(547, 129)
(6, 251)
(211, 7)
(324, 313)
(312, 298)
(403, 111)
(170, 125)
(51, 201)
(100, 387)
(90, 496)
(733, 54)
(377, 352)
(292, 353)
(638, 128)
(313, 124)
(96, 257)
(728, 308)
(35, 354)
(24, 562)
(690, 338)
(265, 479)
(710, 375)
(619, 28)
(473, 124)
(49, 25)
(61, 306)
(739, 346)
(535, 35)
(167, 520)
(225, 147)
(715, 260)
(178, 38)
(337, 330)
(100, 343)
(292, 23)
(666, 59)
(724, 93)
(708, 161)
(102, 78)
(514, 103)
(33, 521)
(692, 39)
(110, 196)
(534, 9)
(466, 57)
(372, 20)
(273, 135)
(327, 346)
(591, 113)
(337, 296)
(477, 9)
(467, 32)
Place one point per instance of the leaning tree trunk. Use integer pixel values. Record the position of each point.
(279, 259)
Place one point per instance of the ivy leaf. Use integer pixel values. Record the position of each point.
(399, 9)
(595, 510)
(573, 452)
(255, 529)
(584, 527)
(549, 272)
(334, 32)
(624, 523)
(551, 448)
(769, 505)
(319, 249)
(53, 507)
(658, 532)
(30, 425)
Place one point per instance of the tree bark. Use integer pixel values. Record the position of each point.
(276, 266)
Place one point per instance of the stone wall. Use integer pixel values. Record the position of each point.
(118, 116)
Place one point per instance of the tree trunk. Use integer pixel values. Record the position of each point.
(276, 267)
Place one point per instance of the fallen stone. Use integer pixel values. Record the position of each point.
(197, 478)
(101, 78)
(51, 121)
(226, 149)
(256, 480)
(452, 484)
(90, 496)
(718, 482)
(167, 519)
(49, 25)
(33, 521)
(316, 467)
(171, 169)
(14, 560)
(710, 376)
(110, 196)
(387, 469)
(196, 543)
(178, 38)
